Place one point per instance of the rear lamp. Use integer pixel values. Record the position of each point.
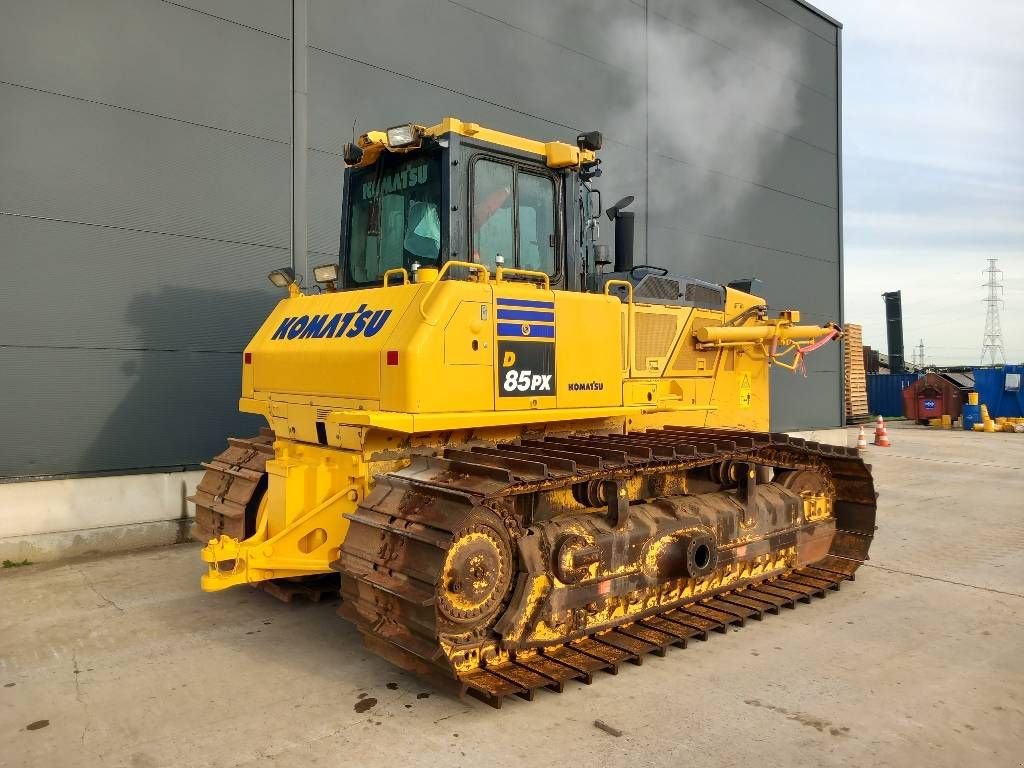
(326, 273)
(282, 277)
(401, 135)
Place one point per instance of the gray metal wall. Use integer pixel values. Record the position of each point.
(144, 183)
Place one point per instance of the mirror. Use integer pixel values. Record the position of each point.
(623, 203)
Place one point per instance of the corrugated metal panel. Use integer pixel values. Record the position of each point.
(152, 57)
(101, 410)
(885, 392)
(991, 386)
(79, 161)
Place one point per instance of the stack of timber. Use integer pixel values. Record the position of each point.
(855, 383)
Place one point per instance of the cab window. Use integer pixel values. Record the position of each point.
(513, 215)
(493, 232)
(394, 216)
(536, 223)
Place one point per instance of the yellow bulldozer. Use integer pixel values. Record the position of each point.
(527, 461)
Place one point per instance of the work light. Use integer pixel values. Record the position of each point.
(326, 273)
(282, 277)
(401, 135)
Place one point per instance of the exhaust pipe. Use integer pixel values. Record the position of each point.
(623, 241)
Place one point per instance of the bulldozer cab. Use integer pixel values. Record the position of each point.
(416, 197)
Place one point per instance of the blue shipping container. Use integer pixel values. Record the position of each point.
(885, 392)
(991, 386)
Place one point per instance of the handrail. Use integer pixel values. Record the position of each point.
(479, 268)
(624, 283)
(543, 277)
(630, 325)
(396, 271)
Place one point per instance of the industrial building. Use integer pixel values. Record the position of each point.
(147, 160)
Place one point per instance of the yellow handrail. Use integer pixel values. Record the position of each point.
(396, 271)
(500, 273)
(624, 283)
(630, 342)
(479, 268)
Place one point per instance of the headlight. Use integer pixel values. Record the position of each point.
(325, 273)
(401, 135)
(282, 277)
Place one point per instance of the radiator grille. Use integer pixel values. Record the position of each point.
(657, 287)
(703, 294)
(654, 336)
(689, 357)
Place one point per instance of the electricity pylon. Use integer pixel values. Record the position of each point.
(992, 343)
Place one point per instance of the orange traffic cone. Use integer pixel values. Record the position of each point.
(862, 442)
(881, 436)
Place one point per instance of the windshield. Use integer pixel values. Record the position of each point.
(394, 215)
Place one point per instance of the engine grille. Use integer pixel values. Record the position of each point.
(654, 336)
(657, 287)
(689, 358)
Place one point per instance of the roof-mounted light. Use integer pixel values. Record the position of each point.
(591, 140)
(327, 274)
(282, 277)
(401, 135)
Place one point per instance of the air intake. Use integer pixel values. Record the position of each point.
(657, 287)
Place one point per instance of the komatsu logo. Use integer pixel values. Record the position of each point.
(362, 322)
(586, 386)
(397, 181)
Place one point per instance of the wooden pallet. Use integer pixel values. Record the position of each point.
(854, 378)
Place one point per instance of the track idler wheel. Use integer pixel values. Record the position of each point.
(476, 577)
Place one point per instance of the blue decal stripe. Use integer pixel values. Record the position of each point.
(525, 314)
(526, 303)
(515, 330)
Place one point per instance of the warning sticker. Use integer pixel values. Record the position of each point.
(745, 393)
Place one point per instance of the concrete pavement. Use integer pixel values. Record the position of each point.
(122, 661)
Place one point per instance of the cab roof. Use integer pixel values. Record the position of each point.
(556, 154)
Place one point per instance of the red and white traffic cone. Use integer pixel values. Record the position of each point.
(881, 435)
(862, 442)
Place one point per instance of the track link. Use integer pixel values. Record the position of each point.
(393, 556)
(229, 492)
(552, 668)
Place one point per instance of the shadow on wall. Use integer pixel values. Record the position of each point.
(181, 384)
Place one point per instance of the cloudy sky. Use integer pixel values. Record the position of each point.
(933, 142)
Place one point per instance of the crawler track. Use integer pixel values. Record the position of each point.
(551, 668)
(229, 493)
(395, 556)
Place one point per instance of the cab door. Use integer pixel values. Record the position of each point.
(515, 213)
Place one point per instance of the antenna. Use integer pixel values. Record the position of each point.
(992, 342)
(919, 355)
